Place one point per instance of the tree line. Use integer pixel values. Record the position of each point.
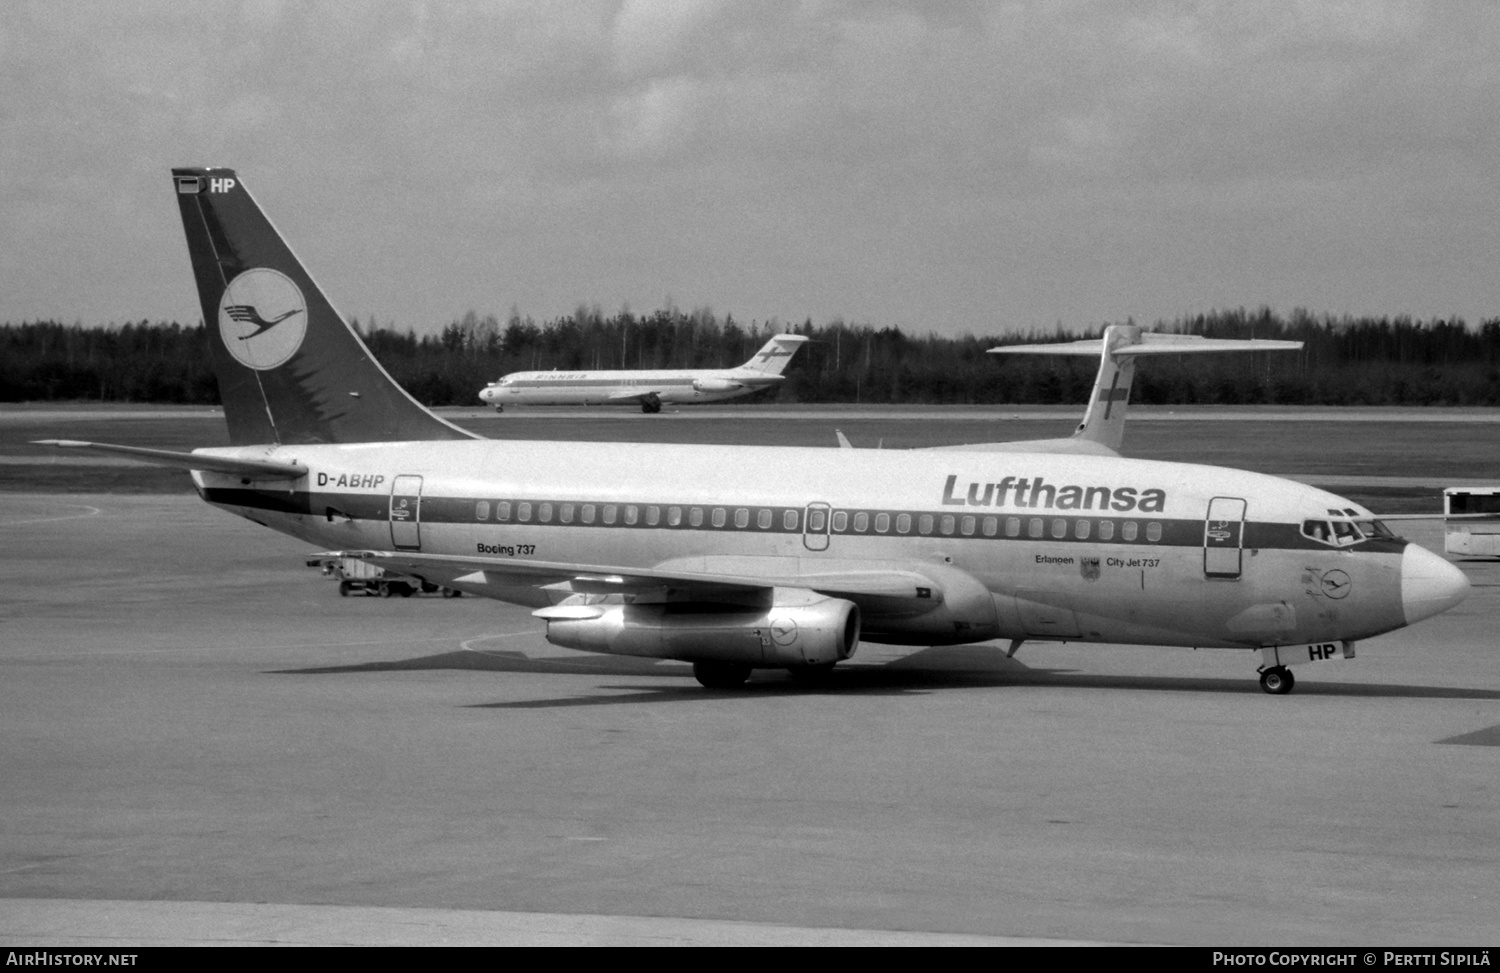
(1344, 361)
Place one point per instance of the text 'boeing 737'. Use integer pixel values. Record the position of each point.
(743, 558)
(649, 388)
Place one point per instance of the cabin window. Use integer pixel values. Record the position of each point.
(817, 518)
(789, 520)
(523, 511)
(840, 521)
(1012, 526)
(653, 516)
(967, 527)
(695, 517)
(861, 522)
(482, 510)
(882, 523)
(719, 516)
(1153, 531)
(903, 523)
(763, 520)
(924, 524)
(565, 512)
(674, 516)
(991, 526)
(946, 524)
(742, 518)
(1036, 528)
(544, 513)
(1081, 530)
(1106, 529)
(1059, 528)
(632, 514)
(1128, 530)
(586, 513)
(610, 511)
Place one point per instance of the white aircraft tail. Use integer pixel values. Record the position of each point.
(1104, 422)
(775, 354)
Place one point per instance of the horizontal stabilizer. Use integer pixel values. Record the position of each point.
(255, 469)
(1150, 344)
(1103, 428)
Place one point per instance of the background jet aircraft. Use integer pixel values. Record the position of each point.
(650, 389)
(742, 558)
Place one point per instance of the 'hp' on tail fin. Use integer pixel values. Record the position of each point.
(290, 369)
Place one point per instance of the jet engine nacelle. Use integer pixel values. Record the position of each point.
(800, 628)
(716, 385)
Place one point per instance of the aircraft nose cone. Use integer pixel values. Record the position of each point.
(1429, 584)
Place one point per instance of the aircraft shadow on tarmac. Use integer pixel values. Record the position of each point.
(925, 671)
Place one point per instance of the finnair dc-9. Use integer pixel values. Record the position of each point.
(737, 559)
(649, 388)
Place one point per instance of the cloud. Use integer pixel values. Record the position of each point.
(1055, 160)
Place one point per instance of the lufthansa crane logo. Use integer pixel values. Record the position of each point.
(262, 318)
(1335, 584)
(784, 631)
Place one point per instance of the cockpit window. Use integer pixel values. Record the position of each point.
(1318, 530)
(1342, 533)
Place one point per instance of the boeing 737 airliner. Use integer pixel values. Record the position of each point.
(744, 558)
(649, 388)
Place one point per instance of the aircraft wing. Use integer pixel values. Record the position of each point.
(635, 395)
(254, 469)
(886, 586)
(1072, 447)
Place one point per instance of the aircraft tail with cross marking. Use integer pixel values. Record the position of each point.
(772, 359)
(1103, 427)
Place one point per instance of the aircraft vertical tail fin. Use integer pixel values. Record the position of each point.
(773, 357)
(290, 369)
(1104, 420)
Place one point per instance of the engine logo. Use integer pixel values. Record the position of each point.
(784, 631)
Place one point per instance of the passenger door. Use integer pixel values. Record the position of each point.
(406, 513)
(1223, 536)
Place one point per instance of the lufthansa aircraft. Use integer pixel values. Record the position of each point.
(649, 389)
(742, 558)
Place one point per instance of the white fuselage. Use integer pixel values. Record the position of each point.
(625, 387)
(1021, 546)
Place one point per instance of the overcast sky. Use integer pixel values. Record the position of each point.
(953, 167)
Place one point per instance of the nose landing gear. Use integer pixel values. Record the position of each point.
(1277, 680)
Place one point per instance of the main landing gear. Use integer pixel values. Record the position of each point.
(1277, 680)
(720, 675)
(651, 403)
(499, 408)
